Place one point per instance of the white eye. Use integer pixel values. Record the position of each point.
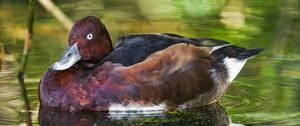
(89, 36)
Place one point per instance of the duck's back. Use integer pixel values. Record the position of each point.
(132, 49)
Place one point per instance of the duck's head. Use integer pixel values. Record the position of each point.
(88, 41)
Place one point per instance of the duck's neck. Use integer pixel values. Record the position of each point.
(89, 67)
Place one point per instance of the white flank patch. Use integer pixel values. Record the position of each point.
(136, 109)
(234, 66)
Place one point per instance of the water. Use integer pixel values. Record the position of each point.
(266, 92)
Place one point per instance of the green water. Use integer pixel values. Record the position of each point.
(266, 92)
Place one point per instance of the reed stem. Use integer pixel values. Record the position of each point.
(1, 56)
(24, 59)
(57, 13)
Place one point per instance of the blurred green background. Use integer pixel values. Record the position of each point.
(265, 92)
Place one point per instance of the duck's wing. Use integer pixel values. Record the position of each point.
(151, 37)
(132, 49)
(167, 37)
(174, 75)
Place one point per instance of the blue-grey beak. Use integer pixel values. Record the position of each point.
(69, 58)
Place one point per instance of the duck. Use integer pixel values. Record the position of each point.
(141, 72)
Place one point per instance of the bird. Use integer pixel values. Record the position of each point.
(141, 72)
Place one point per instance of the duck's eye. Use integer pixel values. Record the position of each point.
(89, 36)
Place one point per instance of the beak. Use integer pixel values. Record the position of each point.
(69, 58)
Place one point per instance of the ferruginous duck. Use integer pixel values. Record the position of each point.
(142, 72)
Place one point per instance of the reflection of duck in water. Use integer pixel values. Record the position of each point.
(143, 72)
(209, 115)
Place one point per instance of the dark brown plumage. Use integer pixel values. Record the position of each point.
(142, 71)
